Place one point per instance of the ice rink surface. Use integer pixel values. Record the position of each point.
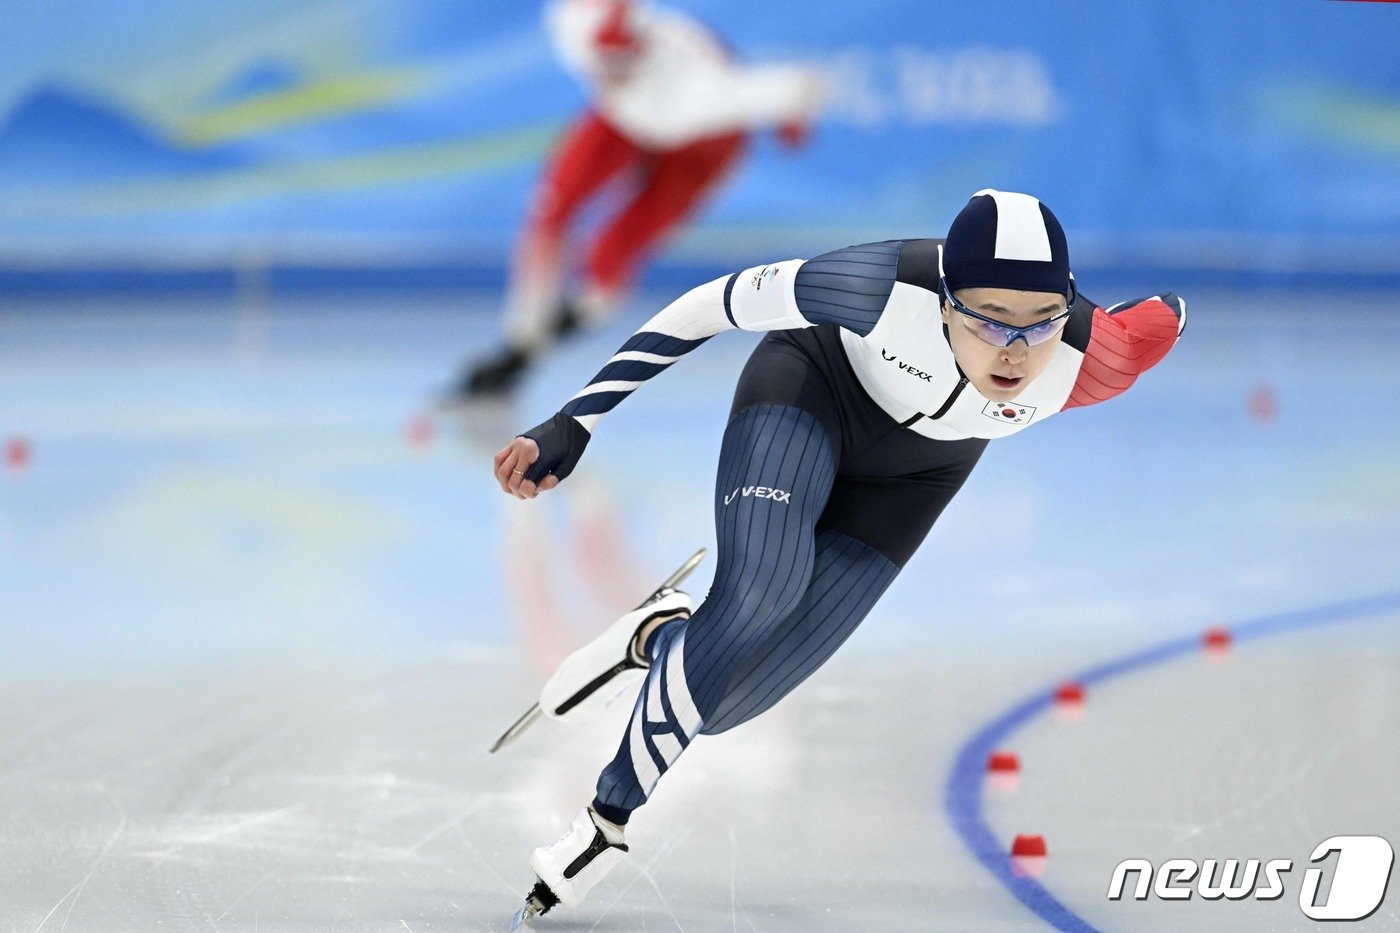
(263, 611)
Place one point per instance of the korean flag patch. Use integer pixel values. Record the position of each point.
(1009, 412)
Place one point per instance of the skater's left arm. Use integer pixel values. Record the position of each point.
(1125, 341)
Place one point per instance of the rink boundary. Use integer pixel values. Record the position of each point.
(963, 797)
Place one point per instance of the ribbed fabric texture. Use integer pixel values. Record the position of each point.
(767, 546)
(848, 579)
(1123, 345)
(848, 287)
(784, 598)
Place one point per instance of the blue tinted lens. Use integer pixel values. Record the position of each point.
(997, 334)
(1001, 335)
(1041, 332)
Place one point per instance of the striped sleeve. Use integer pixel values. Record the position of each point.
(1126, 340)
(677, 329)
(848, 287)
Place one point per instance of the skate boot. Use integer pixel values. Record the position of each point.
(566, 870)
(609, 666)
(494, 375)
(567, 321)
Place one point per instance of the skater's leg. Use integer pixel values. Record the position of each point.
(591, 153)
(868, 532)
(777, 466)
(675, 184)
(869, 528)
(848, 579)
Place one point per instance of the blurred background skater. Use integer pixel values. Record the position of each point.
(886, 370)
(672, 109)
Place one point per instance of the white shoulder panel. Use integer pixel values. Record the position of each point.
(763, 298)
(905, 363)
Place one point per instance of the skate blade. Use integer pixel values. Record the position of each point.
(520, 725)
(527, 912)
(683, 571)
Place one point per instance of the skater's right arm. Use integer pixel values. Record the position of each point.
(547, 453)
(848, 288)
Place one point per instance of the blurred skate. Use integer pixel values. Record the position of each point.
(569, 320)
(498, 374)
(489, 377)
(607, 667)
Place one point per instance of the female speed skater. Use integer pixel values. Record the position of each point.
(886, 370)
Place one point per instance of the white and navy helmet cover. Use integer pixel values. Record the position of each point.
(1002, 239)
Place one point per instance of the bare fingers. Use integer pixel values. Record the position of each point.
(510, 466)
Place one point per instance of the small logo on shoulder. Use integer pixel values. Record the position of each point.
(767, 272)
(1009, 412)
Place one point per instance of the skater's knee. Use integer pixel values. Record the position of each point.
(729, 625)
(761, 605)
(757, 592)
(740, 698)
(722, 722)
(552, 211)
(610, 265)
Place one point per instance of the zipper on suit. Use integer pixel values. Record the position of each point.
(957, 390)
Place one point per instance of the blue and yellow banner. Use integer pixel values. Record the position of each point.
(1255, 134)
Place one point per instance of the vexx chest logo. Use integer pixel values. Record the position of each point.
(911, 370)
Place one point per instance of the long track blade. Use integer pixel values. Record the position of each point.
(520, 725)
(683, 571)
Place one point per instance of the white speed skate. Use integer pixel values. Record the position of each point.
(609, 666)
(566, 870)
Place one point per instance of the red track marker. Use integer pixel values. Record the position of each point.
(420, 432)
(18, 455)
(1217, 639)
(1028, 846)
(1263, 404)
(1069, 693)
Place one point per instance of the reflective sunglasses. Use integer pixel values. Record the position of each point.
(1001, 334)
